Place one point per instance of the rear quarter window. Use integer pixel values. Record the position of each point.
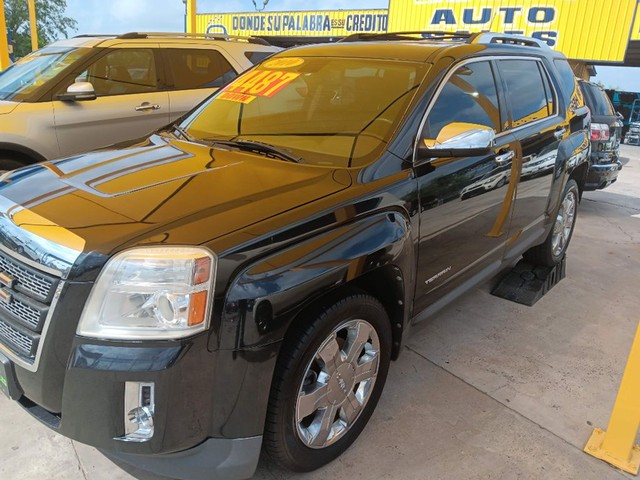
(257, 57)
(566, 78)
(597, 100)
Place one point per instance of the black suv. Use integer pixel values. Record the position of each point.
(243, 278)
(606, 134)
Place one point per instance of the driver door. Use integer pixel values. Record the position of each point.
(130, 102)
(464, 201)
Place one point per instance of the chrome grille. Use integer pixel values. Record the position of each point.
(28, 281)
(25, 313)
(16, 339)
(25, 298)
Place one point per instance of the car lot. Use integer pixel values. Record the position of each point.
(487, 389)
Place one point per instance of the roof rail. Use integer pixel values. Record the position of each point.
(209, 36)
(483, 38)
(506, 39)
(411, 35)
(99, 35)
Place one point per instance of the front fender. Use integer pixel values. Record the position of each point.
(264, 298)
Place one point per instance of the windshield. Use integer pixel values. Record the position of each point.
(31, 72)
(326, 111)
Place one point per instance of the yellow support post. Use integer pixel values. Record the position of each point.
(616, 445)
(192, 8)
(4, 43)
(33, 22)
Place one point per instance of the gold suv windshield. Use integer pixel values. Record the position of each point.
(325, 111)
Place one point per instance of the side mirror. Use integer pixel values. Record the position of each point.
(459, 140)
(78, 92)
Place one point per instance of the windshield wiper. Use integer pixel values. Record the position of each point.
(183, 133)
(270, 151)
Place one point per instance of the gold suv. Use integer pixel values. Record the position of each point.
(91, 91)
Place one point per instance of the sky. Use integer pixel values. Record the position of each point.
(119, 16)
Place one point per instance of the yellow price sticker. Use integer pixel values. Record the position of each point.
(262, 83)
(283, 62)
(237, 97)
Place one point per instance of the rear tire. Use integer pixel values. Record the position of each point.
(550, 252)
(327, 383)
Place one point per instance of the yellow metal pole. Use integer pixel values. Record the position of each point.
(616, 445)
(34, 25)
(4, 43)
(192, 8)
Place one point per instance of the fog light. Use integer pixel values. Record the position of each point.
(139, 399)
(143, 418)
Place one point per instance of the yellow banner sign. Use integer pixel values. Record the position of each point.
(325, 23)
(635, 34)
(595, 30)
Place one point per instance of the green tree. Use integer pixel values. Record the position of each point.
(52, 23)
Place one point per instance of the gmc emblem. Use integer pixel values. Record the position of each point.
(6, 280)
(5, 296)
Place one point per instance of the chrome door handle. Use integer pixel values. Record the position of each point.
(559, 133)
(146, 106)
(505, 158)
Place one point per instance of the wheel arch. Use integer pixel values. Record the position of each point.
(572, 163)
(579, 174)
(373, 255)
(25, 154)
(385, 284)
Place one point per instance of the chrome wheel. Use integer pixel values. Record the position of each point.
(337, 384)
(564, 224)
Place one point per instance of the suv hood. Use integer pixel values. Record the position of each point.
(7, 107)
(159, 191)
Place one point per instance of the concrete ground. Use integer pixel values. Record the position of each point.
(488, 389)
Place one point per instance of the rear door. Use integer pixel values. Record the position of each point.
(535, 122)
(193, 74)
(464, 202)
(131, 102)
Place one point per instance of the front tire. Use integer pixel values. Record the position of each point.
(550, 253)
(327, 383)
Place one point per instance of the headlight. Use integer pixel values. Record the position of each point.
(151, 293)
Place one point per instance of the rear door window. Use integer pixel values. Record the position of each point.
(526, 92)
(193, 69)
(551, 98)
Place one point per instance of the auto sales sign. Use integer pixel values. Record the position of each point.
(592, 30)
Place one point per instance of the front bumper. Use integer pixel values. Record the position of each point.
(209, 406)
(214, 459)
